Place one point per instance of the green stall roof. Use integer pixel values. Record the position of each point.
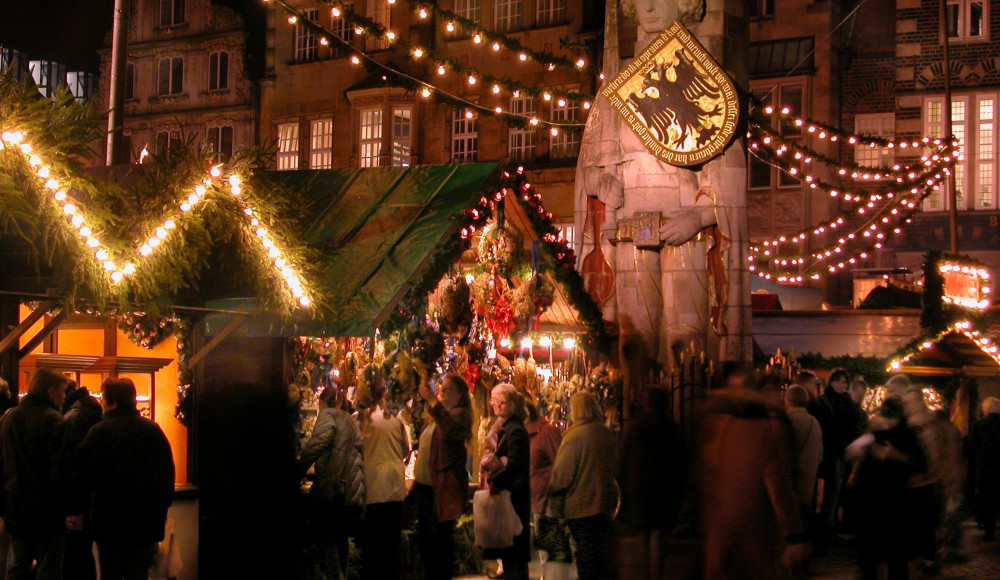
(377, 229)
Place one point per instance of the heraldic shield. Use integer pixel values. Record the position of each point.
(677, 99)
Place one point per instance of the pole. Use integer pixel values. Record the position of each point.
(952, 189)
(116, 95)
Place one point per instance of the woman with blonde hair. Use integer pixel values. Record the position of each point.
(582, 489)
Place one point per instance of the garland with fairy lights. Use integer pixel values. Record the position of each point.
(427, 90)
(453, 21)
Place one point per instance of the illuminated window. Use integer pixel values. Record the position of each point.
(402, 136)
(288, 146)
(973, 121)
(218, 71)
(521, 142)
(370, 138)
(470, 10)
(874, 125)
(306, 48)
(567, 143)
(967, 20)
(464, 137)
(171, 12)
(507, 15)
(220, 139)
(321, 144)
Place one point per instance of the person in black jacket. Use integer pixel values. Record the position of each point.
(36, 481)
(509, 471)
(984, 451)
(127, 464)
(81, 412)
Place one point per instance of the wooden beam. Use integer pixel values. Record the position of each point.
(14, 335)
(218, 338)
(46, 330)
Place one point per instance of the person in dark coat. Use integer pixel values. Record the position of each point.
(337, 496)
(36, 479)
(440, 504)
(651, 475)
(984, 451)
(127, 464)
(843, 422)
(81, 412)
(509, 470)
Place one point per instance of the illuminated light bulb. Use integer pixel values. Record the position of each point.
(468, 114)
(533, 121)
(161, 233)
(450, 27)
(496, 47)
(336, 12)
(422, 13)
(569, 343)
(280, 263)
(293, 19)
(85, 231)
(77, 220)
(267, 243)
(323, 41)
(215, 172)
(551, 66)
(199, 190)
(586, 105)
(109, 265)
(472, 80)
(236, 190)
(418, 52)
(129, 269)
(34, 160)
(355, 59)
(304, 301)
(153, 242)
(547, 96)
(601, 76)
(561, 102)
(273, 253)
(43, 172)
(287, 272)
(554, 131)
(477, 38)
(52, 184)
(117, 277)
(358, 30)
(425, 93)
(193, 198)
(441, 69)
(93, 242)
(60, 195)
(496, 89)
(185, 206)
(526, 342)
(261, 232)
(298, 292)
(523, 57)
(69, 208)
(390, 35)
(254, 222)
(545, 341)
(469, 278)
(498, 110)
(101, 254)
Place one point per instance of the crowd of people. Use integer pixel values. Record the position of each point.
(76, 471)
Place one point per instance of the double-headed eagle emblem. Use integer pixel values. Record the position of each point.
(677, 99)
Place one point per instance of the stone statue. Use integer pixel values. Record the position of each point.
(668, 265)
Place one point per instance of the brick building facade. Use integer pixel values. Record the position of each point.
(185, 79)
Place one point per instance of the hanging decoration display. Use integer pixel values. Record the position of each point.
(145, 330)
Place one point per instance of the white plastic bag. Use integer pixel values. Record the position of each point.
(496, 522)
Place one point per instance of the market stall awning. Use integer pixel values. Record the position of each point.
(955, 354)
(376, 228)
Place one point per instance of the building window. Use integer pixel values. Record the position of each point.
(218, 71)
(381, 12)
(464, 136)
(288, 146)
(551, 12)
(567, 143)
(170, 76)
(470, 10)
(761, 174)
(370, 138)
(874, 125)
(967, 20)
(565, 232)
(521, 142)
(507, 15)
(402, 135)
(306, 48)
(171, 12)
(165, 140)
(341, 26)
(49, 76)
(321, 144)
(760, 8)
(974, 124)
(220, 139)
(129, 81)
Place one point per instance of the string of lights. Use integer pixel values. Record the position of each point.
(927, 342)
(364, 25)
(427, 90)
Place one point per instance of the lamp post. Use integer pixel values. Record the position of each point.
(952, 190)
(116, 95)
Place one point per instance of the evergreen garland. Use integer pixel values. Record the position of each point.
(185, 375)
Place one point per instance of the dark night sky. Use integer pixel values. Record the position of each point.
(68, 31)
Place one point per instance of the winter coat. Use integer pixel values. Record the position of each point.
(807, 452)
(335, 449)
(545, 440)
(449, 476)
(745, 480)
(35, 475)
(984, 453)
(81, 411)
(583, 477)
(384, 449)
(127, 464)
(511, 472)
(650, 471)
(843, 422)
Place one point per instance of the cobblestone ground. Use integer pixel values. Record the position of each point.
(837, 563)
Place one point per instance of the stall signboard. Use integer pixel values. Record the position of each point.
(677, 99)
(966, 286)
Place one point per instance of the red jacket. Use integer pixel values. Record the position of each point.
(449, 476)
(545, 441)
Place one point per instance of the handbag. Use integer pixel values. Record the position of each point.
(552, 536)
